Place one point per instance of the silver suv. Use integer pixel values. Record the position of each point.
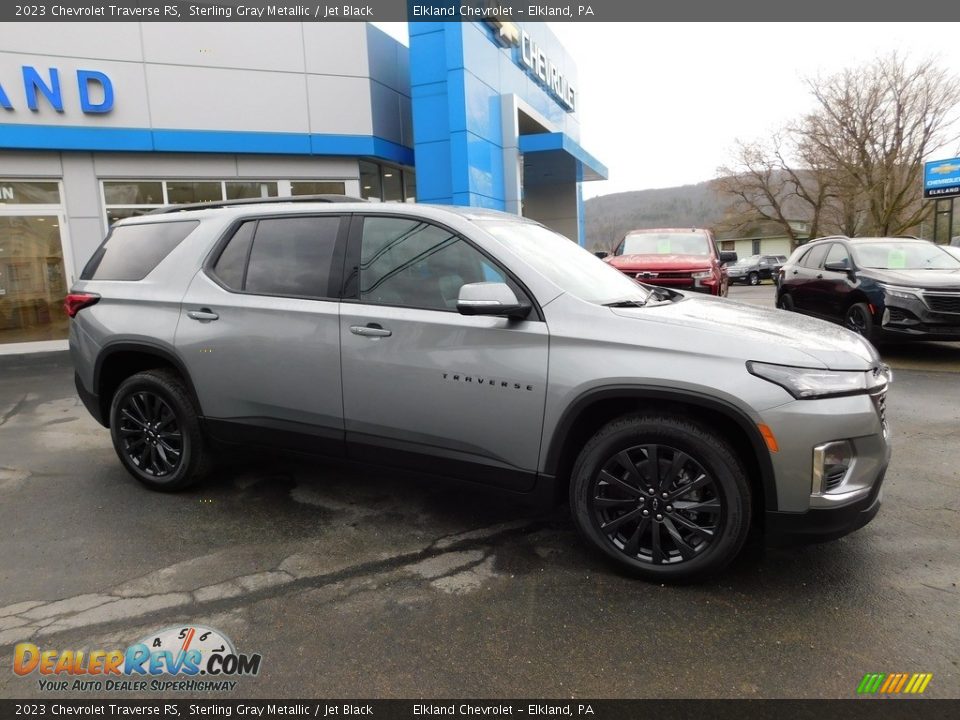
(479, 346)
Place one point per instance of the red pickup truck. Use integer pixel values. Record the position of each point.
(678, 258)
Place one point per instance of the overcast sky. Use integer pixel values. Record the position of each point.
(661, 104)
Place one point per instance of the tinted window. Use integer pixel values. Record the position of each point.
(412, 263)
(131, 252)
(292, 256)
(233, 260)
(838, 254)
(814, 258)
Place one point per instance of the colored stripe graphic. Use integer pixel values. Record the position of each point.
(894, 683)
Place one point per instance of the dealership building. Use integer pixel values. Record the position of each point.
(100, 122)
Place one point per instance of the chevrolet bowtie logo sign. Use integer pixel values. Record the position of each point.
(507, 33)
(945, 169)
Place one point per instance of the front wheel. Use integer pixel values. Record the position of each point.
(753, 279)
(156, 431)
(661, 496)
(785, 302)
(859, 319)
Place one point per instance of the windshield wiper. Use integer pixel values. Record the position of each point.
(625, 303)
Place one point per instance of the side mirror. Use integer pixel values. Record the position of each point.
(837, 267)
(728, 256)
(491, 298)
(602, 254)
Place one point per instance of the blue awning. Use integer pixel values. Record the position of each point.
(551, 158)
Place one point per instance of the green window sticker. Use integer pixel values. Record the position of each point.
(663, 246)
(896, 259)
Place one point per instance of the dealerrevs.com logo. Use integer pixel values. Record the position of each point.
(186, 659)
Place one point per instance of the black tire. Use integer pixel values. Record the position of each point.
(785, 302)
(156, 432)
(858, 318)
(753, 278)
(719, 504)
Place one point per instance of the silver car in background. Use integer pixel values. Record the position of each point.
(484, 347)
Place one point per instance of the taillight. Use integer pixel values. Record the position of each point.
(75, 302)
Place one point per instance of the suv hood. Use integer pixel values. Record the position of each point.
(939, 279)
(660, 262)
(765, 335)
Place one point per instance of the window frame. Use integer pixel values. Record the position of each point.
(350, 289)
(335, 280)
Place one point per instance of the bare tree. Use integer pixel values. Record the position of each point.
(853, 165)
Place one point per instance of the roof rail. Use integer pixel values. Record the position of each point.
(829, 237)
(166, 209)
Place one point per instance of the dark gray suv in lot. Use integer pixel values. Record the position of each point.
(478, 346)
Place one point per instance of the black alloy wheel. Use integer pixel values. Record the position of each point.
(857, 318)
(150, 435)
(663, 496)
(155, 427)
(657, 505)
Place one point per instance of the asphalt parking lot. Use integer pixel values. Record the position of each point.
(359, 583)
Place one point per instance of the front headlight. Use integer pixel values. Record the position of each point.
(900, 291)
(809, 383)
(701, 274)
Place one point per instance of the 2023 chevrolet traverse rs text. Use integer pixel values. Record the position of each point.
(681, 259)
(673, 422)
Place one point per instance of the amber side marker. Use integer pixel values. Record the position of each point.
(768, 437)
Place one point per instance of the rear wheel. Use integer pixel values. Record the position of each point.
(156, 431)
(662, 496)
(859, 319)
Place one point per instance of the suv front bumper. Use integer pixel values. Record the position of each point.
(823, 524)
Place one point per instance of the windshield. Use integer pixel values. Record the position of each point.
(666, 243)
(565, 263)
(903, 256)
(752, 260)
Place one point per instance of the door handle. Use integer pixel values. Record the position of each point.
(795, 272)
(203, 314)
(820, 276)
(371, 330)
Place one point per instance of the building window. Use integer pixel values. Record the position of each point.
(756, 248)
(392, 184)
(728, 244)
(18, 192)
(319, 187)
(244, 190)
(409, 186)
(370, 181)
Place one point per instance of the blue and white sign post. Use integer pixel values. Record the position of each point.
(941, 183)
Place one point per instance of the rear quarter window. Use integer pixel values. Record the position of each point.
(131, 252)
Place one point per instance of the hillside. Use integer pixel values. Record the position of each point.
(610, 217)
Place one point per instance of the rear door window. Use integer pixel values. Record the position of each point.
(131, 252)
(292, 256)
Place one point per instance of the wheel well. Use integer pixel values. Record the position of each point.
(856, 297)
(120, 365)
(602, 411)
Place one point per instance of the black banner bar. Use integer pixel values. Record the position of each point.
(874, 708)
(856, 11)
